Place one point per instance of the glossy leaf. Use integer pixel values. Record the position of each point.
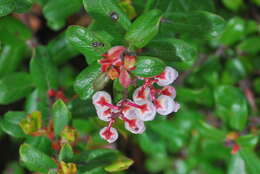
(61, 116)
(14, 87)
(237, 165)
(148, 66)
(34, 159)
(231, 106)
(185, 5)
(43, 71)
(107, 11)
(144, 29)
(122, 163)
(10, 123)
(13, 31)
(252, 161)
(247, 141)
(38, 101)
(60, 50)
(84, 81)
(198, 25)
(211, 132)
(234, 31)
(10, 58)
(87, 42)
(6, 7)
(66, 153)
(57, 18)
(41, 143)
(172, 50)
(249, 45)
(234, 5)
(202, 96)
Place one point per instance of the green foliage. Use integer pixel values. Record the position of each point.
(55, 54)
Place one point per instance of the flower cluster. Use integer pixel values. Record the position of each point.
(147, 101)
(117, 63)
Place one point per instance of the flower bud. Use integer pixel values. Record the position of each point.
(147, 111)
(141, 94)
(67, 168)
(115, 52)
(113, 73)
(69, 135)
(32, 123)
(169, 91)
(100, 99)
(109, 134)
(164, 105)
(167, 76)
(135, 126)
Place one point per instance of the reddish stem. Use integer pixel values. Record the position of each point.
(134, 105)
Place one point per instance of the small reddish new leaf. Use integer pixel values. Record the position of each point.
(235, 149)
(124, 78)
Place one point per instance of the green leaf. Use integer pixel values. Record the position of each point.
(105, 10)
(233, 5)
(56, 18)
(148, 66)
(202, 96)
(185, 5)
(211, 132)
(38, 101)
(84, 81)
(43, 71)
(234, 71)
(13, 31)
(249, 45)
(172, 50)
(61, 116)
(60, 49)
(122, 163)
(247, 141)
(144, 29)
(35, 160)
(237, 165)
(251, 159)
(119, 90)
(66, 153)
(84, 41)
(10, 58)
(6, 7)
(14, 87)
(231, 106)
(234, 31)
(198, 25)
(41, 143)
(22, 6)
(10, 123)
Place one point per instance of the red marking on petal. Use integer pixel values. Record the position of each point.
(141, 93)
(157, 104)
(144, 108)
(235, 149)
(162, 75)
(107, 134)
(102, 101)
(166, 91)
(132, 123)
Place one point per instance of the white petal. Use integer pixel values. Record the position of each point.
(138, 99)
(166, 105)
(176, 107)
(170, 90)
(112, 138)
(97, 96)
(170, 76)
(138, 128)
(149, 114)
(102, 115)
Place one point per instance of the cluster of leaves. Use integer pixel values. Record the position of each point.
(217, 61)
